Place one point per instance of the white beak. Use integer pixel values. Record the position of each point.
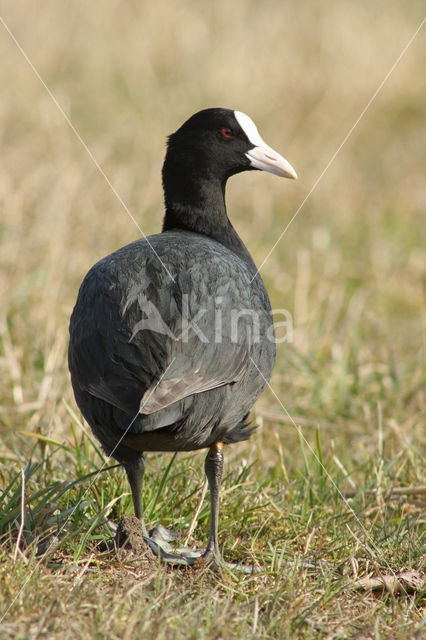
(266, 159)
(262, 156)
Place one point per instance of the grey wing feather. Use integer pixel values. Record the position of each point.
(164, 346)
(209, 348)
(179, 382)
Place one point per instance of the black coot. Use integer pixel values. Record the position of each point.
(171, 337)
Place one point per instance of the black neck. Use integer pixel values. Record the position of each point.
(196, 202)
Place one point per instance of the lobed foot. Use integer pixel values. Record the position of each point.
(161, 541)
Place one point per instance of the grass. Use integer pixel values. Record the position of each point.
(350, 269)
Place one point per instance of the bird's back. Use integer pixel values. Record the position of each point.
(171, 343)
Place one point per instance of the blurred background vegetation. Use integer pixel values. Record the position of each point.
(351, 268)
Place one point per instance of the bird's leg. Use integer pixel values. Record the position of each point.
(214, 467)
(160, 539)
(135, 471)
(192, 557)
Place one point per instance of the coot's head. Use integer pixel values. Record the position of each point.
(217, 143)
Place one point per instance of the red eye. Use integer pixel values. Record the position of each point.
(226, 133)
